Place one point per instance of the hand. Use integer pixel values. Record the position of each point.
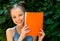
(24, 31)
(41, 35)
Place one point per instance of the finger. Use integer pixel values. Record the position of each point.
(27, 28)
(41, 34)
(27, 31)
(24, 26)
(41, 29)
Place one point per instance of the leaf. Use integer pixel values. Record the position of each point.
(1, 12)
(2, 20)
(49, 21)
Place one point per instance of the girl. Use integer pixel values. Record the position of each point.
(18, 32)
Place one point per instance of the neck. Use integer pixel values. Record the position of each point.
(18, 28)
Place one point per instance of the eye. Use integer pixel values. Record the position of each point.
(14, 17)
(20, 14)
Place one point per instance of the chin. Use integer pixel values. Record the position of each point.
(20, 24)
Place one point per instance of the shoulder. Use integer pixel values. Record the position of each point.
(10, 31)
(10, 34)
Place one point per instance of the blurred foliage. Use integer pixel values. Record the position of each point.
(51, 9)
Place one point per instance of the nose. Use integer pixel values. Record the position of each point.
(17, 18)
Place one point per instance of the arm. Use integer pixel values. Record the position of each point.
(9, 35)
(40, 39)
(41, 35)
(34, 38)
(24, 31)
(20, 38)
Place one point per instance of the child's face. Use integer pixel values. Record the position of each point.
(17, 16)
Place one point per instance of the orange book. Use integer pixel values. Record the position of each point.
(35, 21)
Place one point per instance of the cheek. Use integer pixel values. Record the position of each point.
(22, 17)
(14, 20)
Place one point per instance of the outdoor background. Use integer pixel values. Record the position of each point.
(51, 9)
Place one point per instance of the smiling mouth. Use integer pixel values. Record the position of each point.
(19, 22)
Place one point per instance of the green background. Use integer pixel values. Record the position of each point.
(51, 9)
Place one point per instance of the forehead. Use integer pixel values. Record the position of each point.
(16, 11)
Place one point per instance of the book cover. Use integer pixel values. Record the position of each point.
(35, 22)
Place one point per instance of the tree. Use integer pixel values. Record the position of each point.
(51, 9)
